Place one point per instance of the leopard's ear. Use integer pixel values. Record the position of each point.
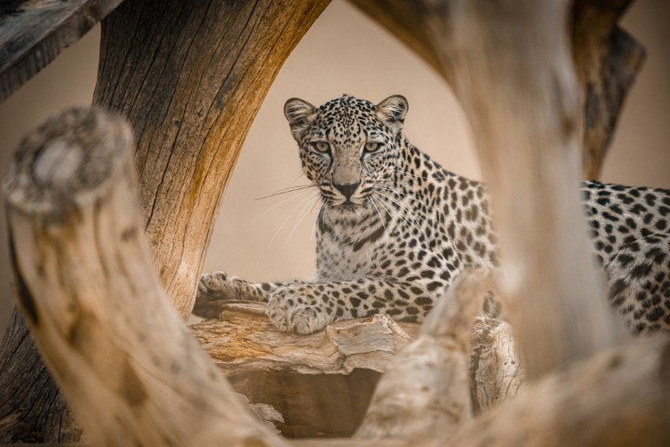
(300, 114)
(392, 111)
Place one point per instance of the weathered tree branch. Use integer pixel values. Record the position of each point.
(94, 303)
(190, 77)
(34, 413)
(33, 33)
(426, 388)
(496, 374)
(513, 75)
(606, 58)
(618, 397)
(243, 339)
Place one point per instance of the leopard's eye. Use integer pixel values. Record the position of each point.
(321, 146)
(372, 146)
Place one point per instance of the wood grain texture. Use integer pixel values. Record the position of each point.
(243, 339)
(34, 32)
(514, 77)
(190, 77)
(126, 363)
(34, 413)
(496, 373)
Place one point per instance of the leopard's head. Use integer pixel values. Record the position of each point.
(349, 147)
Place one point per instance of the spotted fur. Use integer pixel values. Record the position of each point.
(395, 228)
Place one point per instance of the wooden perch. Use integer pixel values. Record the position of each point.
(321, 384)
(243, 339)
(34, 32)
(88, 290)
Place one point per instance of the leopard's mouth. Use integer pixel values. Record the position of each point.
(350, 206)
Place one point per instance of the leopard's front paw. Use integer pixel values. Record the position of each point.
(213, 288)
(216, 286)
(290, 312)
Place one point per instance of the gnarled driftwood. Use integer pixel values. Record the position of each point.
(190, 77)
(131, 370)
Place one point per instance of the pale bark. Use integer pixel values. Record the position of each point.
(513, 75)
(129, 368)
(496, 374)
(426, 387)
(618, 397)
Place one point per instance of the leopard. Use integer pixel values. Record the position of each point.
(395, 228)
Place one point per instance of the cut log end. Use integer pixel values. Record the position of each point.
(88, 287)
(55, 163)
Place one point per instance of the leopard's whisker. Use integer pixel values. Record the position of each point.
(292, 212)
(399, 204)
(303, 213)
(395, 213)
(381, 218)
(276, 205)
(287, 190)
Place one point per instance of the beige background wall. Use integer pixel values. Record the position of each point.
(345, 53)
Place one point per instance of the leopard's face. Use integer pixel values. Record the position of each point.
(349, 147)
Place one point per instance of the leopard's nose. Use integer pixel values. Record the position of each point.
(348, 189)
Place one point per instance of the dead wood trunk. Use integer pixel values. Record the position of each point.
(513, 75)
(131, 371)
(190, 77)
(33, 33)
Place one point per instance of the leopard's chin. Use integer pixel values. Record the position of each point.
(349, 207)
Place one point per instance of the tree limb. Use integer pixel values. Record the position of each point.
(118, 351)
